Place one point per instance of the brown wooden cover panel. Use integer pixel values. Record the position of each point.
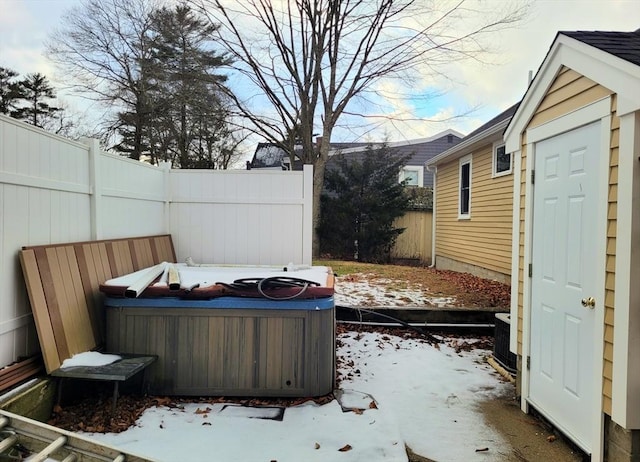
(38, 302)
(63, 284)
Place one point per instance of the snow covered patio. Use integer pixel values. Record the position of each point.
(394, 392)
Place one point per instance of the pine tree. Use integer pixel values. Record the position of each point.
(10, 91)
(35, 90)
(362, 199)
(188, 114)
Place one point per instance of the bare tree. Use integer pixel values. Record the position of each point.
(102, 49)
(310, 61)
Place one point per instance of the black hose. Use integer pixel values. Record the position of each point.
(421, 331)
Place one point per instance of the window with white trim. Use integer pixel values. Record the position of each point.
(464, 197)
(501, 160)
(413, 175)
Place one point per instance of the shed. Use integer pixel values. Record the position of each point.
(473, 203)
(575, 141)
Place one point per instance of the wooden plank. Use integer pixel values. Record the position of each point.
(81, 308)
(54, 299)
(89, 279)
(141, 253)
(39, 307)
(20, 371)
(215, 370)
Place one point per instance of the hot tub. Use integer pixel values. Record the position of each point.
(228, 345)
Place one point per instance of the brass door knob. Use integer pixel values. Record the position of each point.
(589, 302)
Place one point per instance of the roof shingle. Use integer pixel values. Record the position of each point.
(624, 45)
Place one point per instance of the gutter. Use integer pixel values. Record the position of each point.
(433, 214)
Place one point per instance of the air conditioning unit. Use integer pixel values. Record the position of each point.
(501, 351)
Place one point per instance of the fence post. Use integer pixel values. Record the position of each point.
(307, 215)
(95, 188)
(166, 169)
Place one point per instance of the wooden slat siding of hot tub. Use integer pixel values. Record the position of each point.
(282, 351)
(233, 352)
(318, 348)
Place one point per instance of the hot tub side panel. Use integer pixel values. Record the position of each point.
(232, 352)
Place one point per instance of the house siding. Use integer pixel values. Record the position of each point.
(484, 240)
(569, 92)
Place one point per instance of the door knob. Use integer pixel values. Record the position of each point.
(589, 302)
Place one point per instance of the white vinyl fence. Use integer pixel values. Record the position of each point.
(53, 190)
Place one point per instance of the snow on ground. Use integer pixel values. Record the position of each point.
(410, 392)
(364, 293)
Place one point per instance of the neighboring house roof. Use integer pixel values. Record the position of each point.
(267, 155)
(488, 132)
(420, 150)
(609, 58)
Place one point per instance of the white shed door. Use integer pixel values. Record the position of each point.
(563, 257)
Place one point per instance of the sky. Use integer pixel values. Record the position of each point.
(477, 90)
(404, 391)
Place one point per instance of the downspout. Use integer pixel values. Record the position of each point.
(433, 216)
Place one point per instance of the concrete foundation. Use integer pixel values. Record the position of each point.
(34, 401)
(445, 263)
(620, 445)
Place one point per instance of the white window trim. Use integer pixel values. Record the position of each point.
(464, 160)
(494, 161)
(413, 168)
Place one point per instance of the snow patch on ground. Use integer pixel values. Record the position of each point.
(425, 396)
(384, 292)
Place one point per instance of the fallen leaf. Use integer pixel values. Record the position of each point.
(551, 438)
(345, 448)
(372, 405)
(203, 411)
(355, 410)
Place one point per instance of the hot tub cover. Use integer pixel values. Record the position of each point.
(208, 281)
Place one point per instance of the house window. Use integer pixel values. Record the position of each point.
(412, 175)
(464, 208)
(501, 160)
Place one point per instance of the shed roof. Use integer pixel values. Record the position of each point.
(624, 45)
(610, 58)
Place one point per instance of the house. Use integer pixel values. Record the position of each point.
(418, 150)
(473, 203)
(273, 157)
(575, 143)
(267, 155)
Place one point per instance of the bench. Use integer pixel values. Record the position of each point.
(63, 285)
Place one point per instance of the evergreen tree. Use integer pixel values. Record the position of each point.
(35, 91)
(361, 201)
(10, 91)
(189, 117)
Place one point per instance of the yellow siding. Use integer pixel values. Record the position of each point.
(571, 91)
(612, 215)
(484, 240)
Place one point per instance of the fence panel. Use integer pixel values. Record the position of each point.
(415, 242)
(44, 198)
(133, 198)
(247, 217)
